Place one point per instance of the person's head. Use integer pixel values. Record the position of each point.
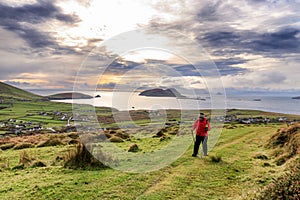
(201, 116)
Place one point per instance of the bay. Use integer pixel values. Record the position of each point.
(132, 101)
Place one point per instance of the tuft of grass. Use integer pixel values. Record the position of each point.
(7, 146)
(73, 135)
(260, 156)
(38, 163)
(133, 148)
(50, 142)
(115, 139)
(80, 157)
(216, 158)
(23, 146)
(25, 159)
(4, 163)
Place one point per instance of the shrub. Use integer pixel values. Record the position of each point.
(23, 146)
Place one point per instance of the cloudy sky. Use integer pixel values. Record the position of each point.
(245, 45)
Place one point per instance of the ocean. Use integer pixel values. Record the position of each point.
(132, 101)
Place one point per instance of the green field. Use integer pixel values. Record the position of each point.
(235, 177)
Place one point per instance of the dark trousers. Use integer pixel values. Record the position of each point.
(199, 140)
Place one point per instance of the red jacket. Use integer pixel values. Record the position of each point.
(200, 127)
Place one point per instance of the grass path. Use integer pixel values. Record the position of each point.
(203, 179)
(187, 178)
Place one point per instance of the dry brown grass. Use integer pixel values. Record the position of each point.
(7, 146)
(39, 140)
(23, 146)
(51, 142)
(286, 143)
(116, 139)
(25, 159)
(80, 157)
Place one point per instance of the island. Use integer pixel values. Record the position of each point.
(68, 95)
(158, 92)
(298, 97)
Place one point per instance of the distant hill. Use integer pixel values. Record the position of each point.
(158, 92)
(11, 92)
(68, 95)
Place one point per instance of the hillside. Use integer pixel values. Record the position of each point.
(286, 148)
(11, 92)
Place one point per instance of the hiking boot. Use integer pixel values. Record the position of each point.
(194, 155)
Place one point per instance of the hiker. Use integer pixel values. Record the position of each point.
(202, 127)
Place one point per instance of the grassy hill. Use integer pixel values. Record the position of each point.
(11, 92)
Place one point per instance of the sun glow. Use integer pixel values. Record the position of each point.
(102, 20)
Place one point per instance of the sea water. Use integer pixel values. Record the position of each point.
(132, 101)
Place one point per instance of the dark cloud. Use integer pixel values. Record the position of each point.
(121, 67)
(209, 12)
(187, 70)
(224, 67)
(269, 44)
(35, 13)
(283, 40)
(21, 20)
